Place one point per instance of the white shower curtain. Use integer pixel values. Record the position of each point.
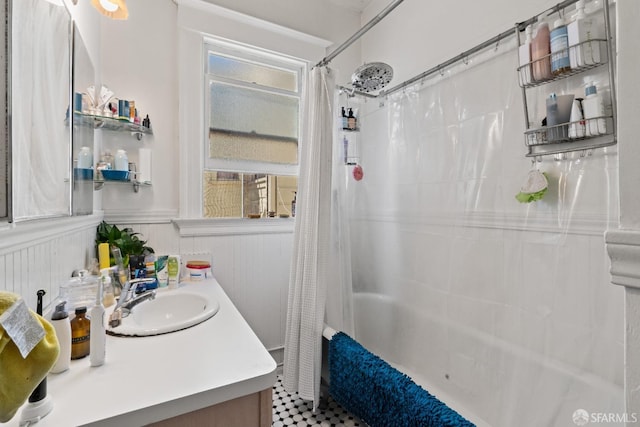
(311, 247)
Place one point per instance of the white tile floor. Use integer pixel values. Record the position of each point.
(290, 410)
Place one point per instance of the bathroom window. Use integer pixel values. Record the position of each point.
(253, 115)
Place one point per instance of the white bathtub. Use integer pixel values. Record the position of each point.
(486, 380)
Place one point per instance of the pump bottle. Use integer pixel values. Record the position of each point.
(62, 325)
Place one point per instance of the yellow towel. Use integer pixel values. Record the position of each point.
(18, 376)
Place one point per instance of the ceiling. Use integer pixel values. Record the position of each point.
(356, 5)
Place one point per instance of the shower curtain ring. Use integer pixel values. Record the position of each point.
(495, 49)
(466, 60)
(441, 71)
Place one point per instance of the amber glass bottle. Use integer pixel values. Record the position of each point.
(80, 334)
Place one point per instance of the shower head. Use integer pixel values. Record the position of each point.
(371, 77)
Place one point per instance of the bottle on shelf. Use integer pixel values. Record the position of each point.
(345, 120)
(594, 112)
(121, 161)
(580, 31)
(577, 123)
(293, 204)
(351, 120)
(559, 43)
(524, 57)
(540, 52)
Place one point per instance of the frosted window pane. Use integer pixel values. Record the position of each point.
(264, 75)
(249, 124)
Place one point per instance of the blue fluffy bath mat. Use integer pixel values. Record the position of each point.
(379, 394)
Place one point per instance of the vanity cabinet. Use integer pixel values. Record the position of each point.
(557, 139)
(250, 410)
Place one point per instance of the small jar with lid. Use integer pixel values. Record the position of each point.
(80, 334)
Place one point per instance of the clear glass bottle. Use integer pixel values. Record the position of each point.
(80, 334)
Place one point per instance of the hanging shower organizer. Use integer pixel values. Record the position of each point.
(537, 139)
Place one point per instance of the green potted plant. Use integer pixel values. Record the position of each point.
(125, 239)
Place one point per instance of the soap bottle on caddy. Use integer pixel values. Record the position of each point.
(524, 57)
(594, 112)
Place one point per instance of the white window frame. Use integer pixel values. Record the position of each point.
(197, 21)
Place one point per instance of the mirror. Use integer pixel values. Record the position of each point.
(83, 130)
(40, 82)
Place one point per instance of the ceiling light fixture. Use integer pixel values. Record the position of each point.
(114, 9)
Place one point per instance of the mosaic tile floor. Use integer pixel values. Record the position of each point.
(290, 410)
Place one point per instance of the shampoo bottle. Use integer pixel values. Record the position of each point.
(593, 107)
(62, 326)
(559, 48)
(579, 32)
(540, 52)
(524, 58)
(97, 346)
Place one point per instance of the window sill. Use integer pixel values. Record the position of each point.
(233, 226)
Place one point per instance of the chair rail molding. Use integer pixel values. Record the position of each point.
(623, 247)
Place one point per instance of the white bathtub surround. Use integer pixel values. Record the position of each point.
(307, 283)
(148, 379)
(504, 309)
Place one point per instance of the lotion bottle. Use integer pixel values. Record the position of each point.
(524, 57)
(98, 333)
(62, 325)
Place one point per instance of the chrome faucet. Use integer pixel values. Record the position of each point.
(128, 298)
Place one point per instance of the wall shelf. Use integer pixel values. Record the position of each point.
(550, 140)
(98, 184)
(112, 124)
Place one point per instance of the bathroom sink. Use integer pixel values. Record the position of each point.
(170, 311)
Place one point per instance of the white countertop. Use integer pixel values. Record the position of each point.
(147, 379)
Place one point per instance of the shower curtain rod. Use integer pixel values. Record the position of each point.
(327, 59)
(493, 41)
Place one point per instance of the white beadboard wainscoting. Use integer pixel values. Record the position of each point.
(42, 254)
(250, 259)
